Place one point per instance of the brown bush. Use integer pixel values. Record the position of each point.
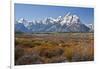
(58, 59)
(83, 53)
(50, 51)
(19, 52)
(28, 59)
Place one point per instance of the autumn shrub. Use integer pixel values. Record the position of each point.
(49, 51)
(27, 42)
(83, 53)
(68, 53)
(58, 59)
(18, 52)
(29, 59)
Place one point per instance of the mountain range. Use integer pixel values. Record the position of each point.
(68, 23)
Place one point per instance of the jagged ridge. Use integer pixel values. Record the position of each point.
(68, 23)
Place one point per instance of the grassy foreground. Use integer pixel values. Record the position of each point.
(53, 48)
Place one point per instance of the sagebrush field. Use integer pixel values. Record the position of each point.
(41, 48)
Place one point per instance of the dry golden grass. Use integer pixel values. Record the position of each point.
(54, 48)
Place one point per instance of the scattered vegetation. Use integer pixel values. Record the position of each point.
(53, 48)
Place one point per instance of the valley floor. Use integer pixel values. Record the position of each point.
(53, 48)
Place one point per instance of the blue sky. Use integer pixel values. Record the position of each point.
(39, 12)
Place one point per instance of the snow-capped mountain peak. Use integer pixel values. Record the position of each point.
(75, 19)
(21, 20)
(59, 18)
(68, 23)
(69, 19)
(91, 26)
